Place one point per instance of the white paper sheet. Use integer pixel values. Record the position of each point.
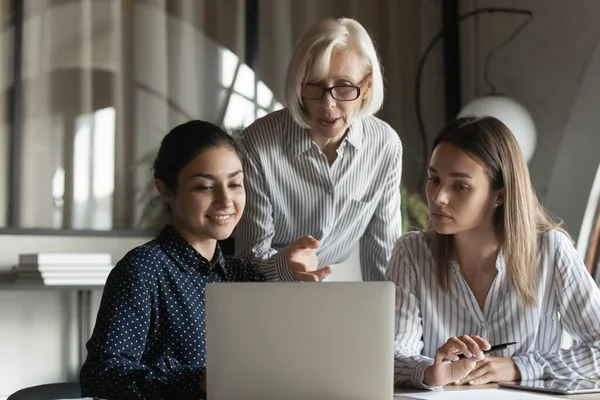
(487, 394)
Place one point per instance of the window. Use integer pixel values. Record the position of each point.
(93, 168)
(102, 81)
(588, 243)
(249, 99)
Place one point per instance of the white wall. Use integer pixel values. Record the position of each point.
(38, 336)
(551, 67)
(578, 157)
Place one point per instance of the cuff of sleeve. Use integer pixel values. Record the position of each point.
(283, 272)
(267, 268)
(419, 375)
(528, 368)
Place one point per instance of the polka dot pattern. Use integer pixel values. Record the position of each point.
(150, 336)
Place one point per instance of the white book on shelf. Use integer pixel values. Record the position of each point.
(65, 259)
(75, 268)
(61, 282)
(61, 275)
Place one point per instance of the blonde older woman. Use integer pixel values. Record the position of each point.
(325, 166)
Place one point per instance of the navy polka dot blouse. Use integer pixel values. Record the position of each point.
(149, 338)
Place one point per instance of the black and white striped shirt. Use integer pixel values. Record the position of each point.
(567, 298)
(292, 192)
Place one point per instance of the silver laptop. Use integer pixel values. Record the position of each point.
(292, 341)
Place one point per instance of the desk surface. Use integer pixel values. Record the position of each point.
(7, 283)
(590, 396)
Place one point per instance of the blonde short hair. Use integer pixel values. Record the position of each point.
(310, 62)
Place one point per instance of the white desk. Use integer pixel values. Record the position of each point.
(594, 396)
(83, 306)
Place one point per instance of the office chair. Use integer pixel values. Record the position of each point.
(51, 391)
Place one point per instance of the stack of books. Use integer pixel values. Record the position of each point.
(63, 269)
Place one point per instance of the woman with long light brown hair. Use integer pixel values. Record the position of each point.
(491, 268)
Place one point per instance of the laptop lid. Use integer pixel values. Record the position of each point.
(290, 341)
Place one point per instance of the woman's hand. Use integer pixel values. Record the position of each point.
(442, 373)
(302, 260)
(492, 369)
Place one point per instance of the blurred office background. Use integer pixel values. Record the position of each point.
(89, 87)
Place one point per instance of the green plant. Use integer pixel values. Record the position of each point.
(414, 211)
(155, 212)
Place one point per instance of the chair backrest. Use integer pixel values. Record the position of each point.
(51, 391)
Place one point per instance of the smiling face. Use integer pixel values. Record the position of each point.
(459, 193)
(210, 196)
(330, 118)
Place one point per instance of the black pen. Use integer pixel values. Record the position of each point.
(492, 349)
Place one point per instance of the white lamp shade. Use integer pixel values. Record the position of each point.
(511, 113)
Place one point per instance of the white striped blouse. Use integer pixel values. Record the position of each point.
(567, 298)
(292, 192)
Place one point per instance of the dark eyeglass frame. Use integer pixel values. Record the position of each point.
(330, 91)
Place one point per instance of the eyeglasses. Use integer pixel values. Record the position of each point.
(311, 91)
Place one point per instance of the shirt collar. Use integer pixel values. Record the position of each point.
(356, 133)
(184, 254)
(298, 137)
(500, 264)
(300, 141)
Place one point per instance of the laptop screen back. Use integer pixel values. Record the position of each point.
(290, 341)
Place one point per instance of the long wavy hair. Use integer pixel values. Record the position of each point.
(518, 222)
